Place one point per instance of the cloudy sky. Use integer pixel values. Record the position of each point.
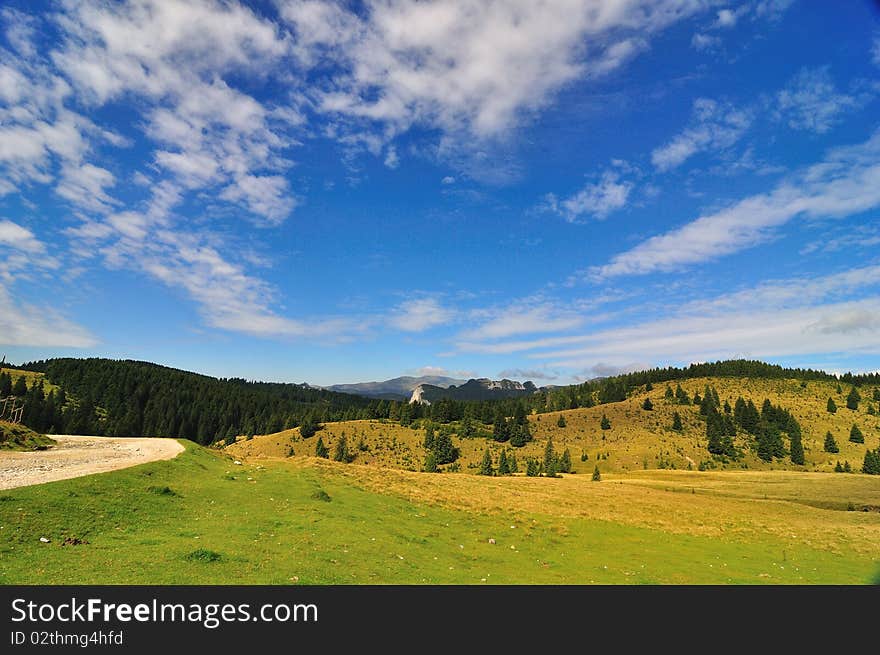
(342, 191)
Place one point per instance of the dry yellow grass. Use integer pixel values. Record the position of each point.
(30, 377)
(742, 506)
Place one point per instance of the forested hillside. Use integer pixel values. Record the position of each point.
(129, 398)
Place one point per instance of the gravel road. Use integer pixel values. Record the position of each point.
(75, 456)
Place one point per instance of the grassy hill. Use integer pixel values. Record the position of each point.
(19, 437)
(638, 439)
(201, 519)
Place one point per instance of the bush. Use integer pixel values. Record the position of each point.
(321, 495)
(203, 555)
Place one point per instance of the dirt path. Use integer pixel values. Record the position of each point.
(77, 456)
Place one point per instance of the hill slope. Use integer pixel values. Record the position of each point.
(638, 439)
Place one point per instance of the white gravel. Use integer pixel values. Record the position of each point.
(75, 456)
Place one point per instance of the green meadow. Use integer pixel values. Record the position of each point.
(201, 519)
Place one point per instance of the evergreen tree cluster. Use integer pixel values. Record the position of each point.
(507, 464)
(516, 429)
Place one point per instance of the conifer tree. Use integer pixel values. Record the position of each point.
(647, 405)
(321, 450)
(341, 454)
(560, 422)
(565, 462)
(486, 464)
(682, 396)
(605, 423)
(20, 387)
(846, 467)
(597, 475)
(838, 468)
(549, 454)
(855, 435)
(5, 384)
(531, 467)
(668, 394)
(444, 451)
(797, 448)
(871, 465)
(503, 466)
(429, 437)
(830, 443)
(430, 462)
(832, 406)
(512, 464)
(853, 399)
(676, 422)
(877, 395)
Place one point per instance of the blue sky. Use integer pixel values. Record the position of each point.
(336, 192)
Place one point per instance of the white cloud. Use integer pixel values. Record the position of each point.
(265, 195)
(704, 42)
(847, 182)
(839, 312)
(528, 374)
(468, 64)
(22, 324)
(851, 327)
(84, 186)
(714, 126)
(420, 314)
(20, 238)
(526, 317)
(726, 18)
(875, 49)
(391, 158)
(431, 371)
(448, 180)
(811, 102)
(595, 200)
(177, 57)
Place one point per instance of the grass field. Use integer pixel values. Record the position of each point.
(638, 439)
(200, 518)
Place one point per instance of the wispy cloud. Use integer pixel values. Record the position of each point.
(714, 126)
(24, 324)
(595, 200)
(805, 315)
(420, 314)
(846, 182)
(529, 316)
(812, 102)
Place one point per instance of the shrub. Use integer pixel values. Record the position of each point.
(203, 555)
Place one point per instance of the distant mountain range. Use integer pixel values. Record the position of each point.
(474, 389)
(431, 388)
(395, 389)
